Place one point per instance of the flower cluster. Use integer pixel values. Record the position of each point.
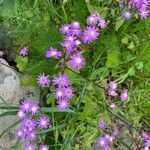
(28, 126)
(75, 37)
(53, 53)
(142, 7)
(104, 142)
(146, 139)
(112, 91)
(63, 91)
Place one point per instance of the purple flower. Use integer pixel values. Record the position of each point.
(77, 42)
(112, 92)
(92, 20)
(52, 52)
(59, 93)
(31, 136)
(28, 124)
(124, 95)
(44, 122)
(65, 29)
(136, 3)
(63, 104)
(102, 23)
(68, 92)
(61, 80)
(101, 125)
(75, 25)
(112, 105)
(113, 85)
(21, 114)
(115, 132)
(20, 134)
(29, 147)
(34, 108)
(25, 105)
(43, 80)
(77, 61)
(102, 142)
(69, 46)
(144, 13)
(126, 15)
(90, 34)
(23, 51)
(44, 147)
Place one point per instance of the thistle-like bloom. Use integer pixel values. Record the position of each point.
(101, 125)
(52, 52)
(68, 92)
(75, 25)
(59, 93)
(21, 114)
(62, 80)
(113, 85)
(144, 13)
(77, 61)
(34, 108)
(102, 23)
(126, 15)
(20, 134)
(136, 3)
(44, 122)
(92, 20)
(43, 80)
(29, 147)
(25, 105)
(68, 45)
(102, 142)
(31, 136)
(124, 95)
(23, 52)
(65, 29)
(63, 105)
(28, 124)
(44, 147)
(90, 34)
(112, 92)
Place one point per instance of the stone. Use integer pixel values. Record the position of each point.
(10, 91)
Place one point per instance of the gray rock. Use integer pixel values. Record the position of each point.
(12, 92)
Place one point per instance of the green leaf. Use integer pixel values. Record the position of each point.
(9, 128)
(55, 109)
(21, 63)
(51, 129)
(125, 40)
(119, 23)
(8, 113)
(113, 58)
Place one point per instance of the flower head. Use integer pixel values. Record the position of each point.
(63, 104)
(31, 136)
(59, 93)
(23, 51)
(69, 46)
(113, 85)
(77, 61)
(124, 95)
(34, 108)
(52, 52)
(90, 34)
(21, 114)
(65, 29)
(102, 23)
(126, 15)
(92, 20)
(25, 106)
(112, 92)
(29, 147)
(144, 13)
(62, 80)
(101, 125)
(44, 122)
(44, 147)
(43, 80)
